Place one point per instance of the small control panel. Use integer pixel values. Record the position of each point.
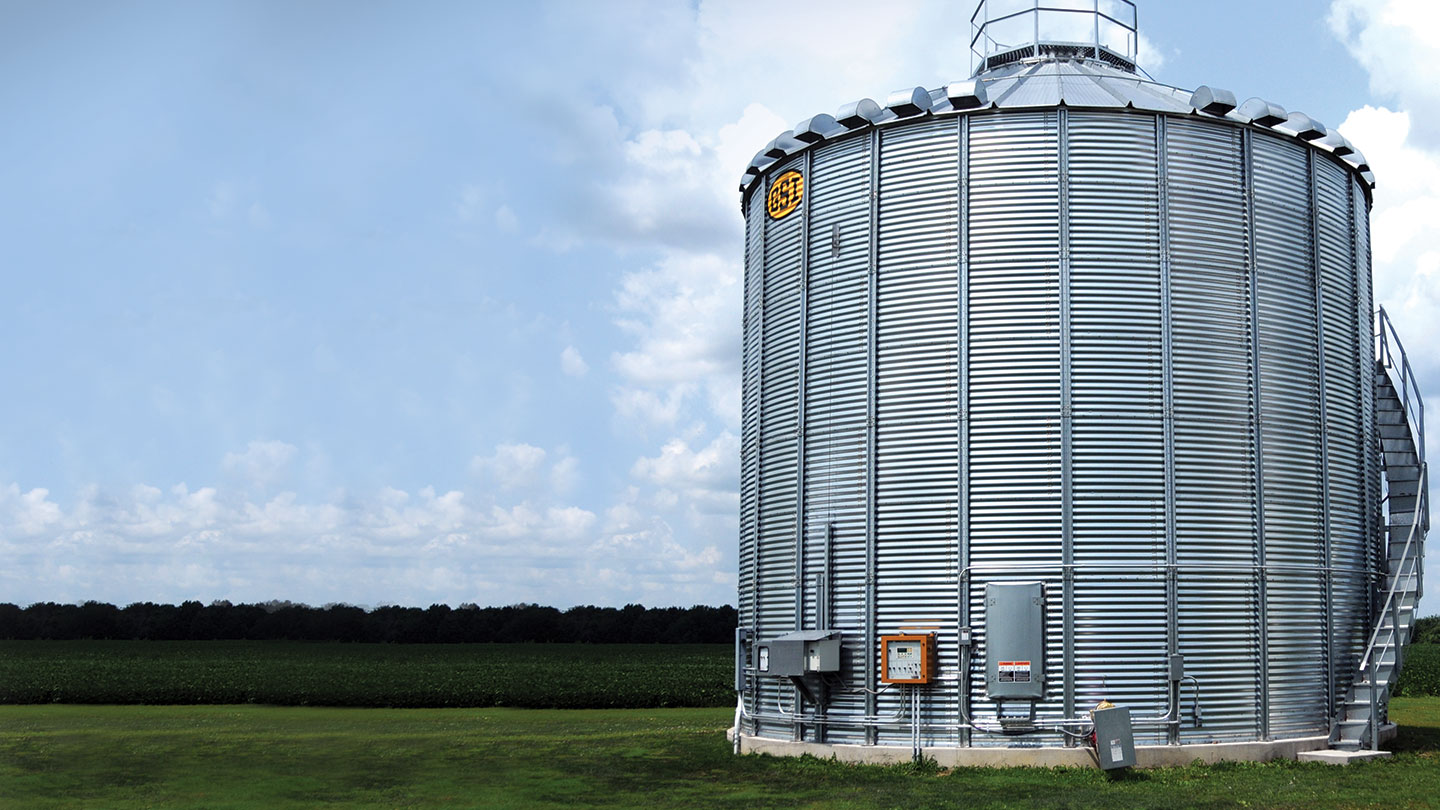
(907, 658)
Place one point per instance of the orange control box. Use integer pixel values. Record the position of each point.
(908, 658)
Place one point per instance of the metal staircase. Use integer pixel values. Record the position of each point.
(1400, 422)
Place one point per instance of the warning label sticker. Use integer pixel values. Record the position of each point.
(1013, 671)
(1117, 753)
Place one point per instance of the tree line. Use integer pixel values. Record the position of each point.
(289, 621)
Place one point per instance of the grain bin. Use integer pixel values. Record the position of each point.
(1061, 387)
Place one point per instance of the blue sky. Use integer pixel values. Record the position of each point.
(440, 303)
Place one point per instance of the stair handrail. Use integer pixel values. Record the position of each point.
(1405, 555)
(1389, 347)
(1368, 664)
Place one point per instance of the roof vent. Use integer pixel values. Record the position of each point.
(966, 95)
(857, 114)
(1262, 113)
(760, 162)
(784, 144)
(1212, 100)
(816, 128)
(909, 102)
(1336, 143)
(1304, 127)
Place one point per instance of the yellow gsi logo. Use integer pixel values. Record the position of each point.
(785, 194)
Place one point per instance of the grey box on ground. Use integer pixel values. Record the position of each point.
(1114, 738)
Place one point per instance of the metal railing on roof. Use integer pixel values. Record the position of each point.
(1004, 31)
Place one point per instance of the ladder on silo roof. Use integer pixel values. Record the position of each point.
(1400, 422)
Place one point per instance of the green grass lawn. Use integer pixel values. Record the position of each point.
(270, 757)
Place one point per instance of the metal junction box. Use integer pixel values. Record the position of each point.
(1114, 738)
(1015, 640)
(908, 658)
(797, 654)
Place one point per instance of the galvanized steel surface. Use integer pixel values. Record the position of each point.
(1064, 346)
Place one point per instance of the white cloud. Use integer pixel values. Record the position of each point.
(470, 204)
(715, 465)
(30, 513)
(393, 546)
(506, 220)
(704, 481)
(1398, 43)
(521, 466)
(564, 474)
(512, 465)
(572, 363)
(1150, 57)
(1407, 206)
(476, 206)
(640, 408)
(683, 315)
(262, 462)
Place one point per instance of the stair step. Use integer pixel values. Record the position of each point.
(1400, 520)
(1407, 617)
(1363, 695)
(1353, 733)
(1403, 461)
(1384, 658)
(1389, 416)
(1399, 534)
(1357, 710)
(1395, 430)
(1383, 672)
(1404, 582)
(1402, 502)
(1401, 444)
(1397, 567)
(1404, 488)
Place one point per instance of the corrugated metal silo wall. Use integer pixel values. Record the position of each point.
(837, 394)
(1090, 385)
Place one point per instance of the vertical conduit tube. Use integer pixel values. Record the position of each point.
(1067, 462)
(759, 455)
(1327, 583)
(1252, 269)
(1374, 530)
(962, 488)
(1364, 347)
(822, 620)
(798, 732)
(1172, 587)
(871, 659)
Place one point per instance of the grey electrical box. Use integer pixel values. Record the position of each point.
(1114, 739)
(797, 654)
(742, 652)
(1014, 640)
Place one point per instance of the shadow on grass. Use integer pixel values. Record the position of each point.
(1416, 740)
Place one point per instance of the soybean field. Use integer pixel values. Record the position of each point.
(546, 676)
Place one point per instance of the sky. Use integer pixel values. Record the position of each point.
(387, 303)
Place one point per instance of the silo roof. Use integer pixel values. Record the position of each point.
(1048, 82)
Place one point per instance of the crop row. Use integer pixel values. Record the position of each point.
(300, 674)
(1420, 675)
